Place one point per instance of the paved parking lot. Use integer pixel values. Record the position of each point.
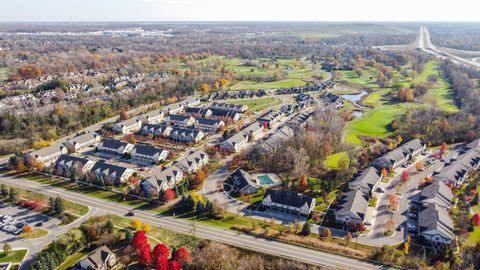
(26, 216)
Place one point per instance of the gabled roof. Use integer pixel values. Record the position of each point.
(236, 138)
(437, 192)
(108, 169)
(178, 118)
(434, 217)
(129, 122)
(285, 197)
(97, 258)
(48, 151)
(242, 179)
(113, 144)
(83, 138)
(208, 122)
(147, 150)
(458, 167)
(169, 173)
(254, 127)
(365, 179)
(70, 160)
(223, 113)
(354, 202)
(399, 153)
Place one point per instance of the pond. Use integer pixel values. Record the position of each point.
(357, 113)
(355, 97)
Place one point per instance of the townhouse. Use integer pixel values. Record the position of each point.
(242, 182)
(224, 114)
(79, 142)
(437, 192)
(366, 180)
(115, 147)
(288, 202)
(400, 155)
(186, 135)
(435, 225)
(111, 173)
(269, 118)
(196, 112)
(149, 154)
(173, 108)
(133, 124)
(235, 142)
(209, 125)
(49, 154)
(161, 130)
(193, 161)
(190, 102)
(276, 139)
(351, 207)
(67, 165)
(153, 117)
(180, 120)
(230, 107)
(101, 258)
(253, 130)
(169, 177)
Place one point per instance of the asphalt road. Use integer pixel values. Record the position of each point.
(183, 226)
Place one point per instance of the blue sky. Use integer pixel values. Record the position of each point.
(238, 10)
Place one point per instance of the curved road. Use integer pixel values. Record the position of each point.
(226, 236)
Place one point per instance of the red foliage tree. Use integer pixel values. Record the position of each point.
(145, 257)
(437, 155)
(161, 250)
(476, 220)
(405, 176)
(174, 265)
(168, 195)
(443, 147)
(161, 263)
(182, 255)
(139, 239)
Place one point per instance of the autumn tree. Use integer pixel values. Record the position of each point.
(205, 88)
(405, 176)
(27, 229)
(389, 226)
(146, 227)
(420, 166)
(302, 183)
(168, 195)
(392, 201)
(198, 178)
(326, 233)
(161, 263)
(144, 255)
(136, 224)
(182, 256)
(161, 250)
(7, 248)
(20, 168)
(123, 115)
(406, 245)
(476, 220)
(384, 172)
(174, 265)
(348, 238)
(443, 147)
(139, 239)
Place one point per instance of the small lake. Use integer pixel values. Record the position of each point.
(355, 97)
(357, 113)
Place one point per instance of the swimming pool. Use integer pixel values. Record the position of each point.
(265, 179)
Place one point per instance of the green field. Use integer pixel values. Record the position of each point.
(368, 78)
(332, 160)
(16, 256)
(251, 85)
(257, 104)
(335, 29)
(4, 73)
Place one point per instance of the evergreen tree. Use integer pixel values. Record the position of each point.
(128, 235)
(59, 206)
(306, 229)
(7, 248)
(4, 192)
(200, 207)
(190, 203)
(161, 193)
(109, 227)
(210, 209)
(51, 203)
(13, 195)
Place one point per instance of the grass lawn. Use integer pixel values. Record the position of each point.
(474, 236)
(332, 160)
(257, 104)
(37, 233)
(72, 259)
(251, 85)
(368, 78)
(16, 256)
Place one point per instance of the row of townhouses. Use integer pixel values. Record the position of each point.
(140, 152)
(175, 133)
(239, 139)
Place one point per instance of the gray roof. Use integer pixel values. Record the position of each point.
(434, 217)
(129, 122)
(83, 138)
(113, 144)
(365, 179)
(147, 150)
(437, 192)
(289, 198)
(108, 169)
(459, 167)
(48, 151)
(398, 153)
(241, 179)
(208, 122)
(168, 173)
(277, 138)
(254, 127)
(98, 257)
(70, 160)
(178, 118)
(236, 138)
(355, 202)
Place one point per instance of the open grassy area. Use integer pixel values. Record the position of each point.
(332, 160)
(335, 29)
(257, 104)
(36, 233)
(251, 85)
(16, 256)
(72, 260)
(368, 78)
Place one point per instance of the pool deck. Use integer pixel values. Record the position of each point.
(276, 181)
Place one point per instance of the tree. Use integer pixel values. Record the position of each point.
(27, 229)
(168, 195)
(326, 233)
(13, 196)
(348, 238)
(146, 227)
(405, 176)
(420, 166)
(389, 226)
(406, 245)
(303, 183)
(161, 250)
(123, 115)
(109, 226)
(182, 256)
(20, 168)
(136, 224)
(161, 263)
(4, 191)
(476, 220)
(139, 239)
(384, 172)
(443, 147)
(198, 178)
(6, 248)
(392, 201)
(128, 235)
(59, 206)
(306, 229)
(174, 265)
(205, 88)
(145, 257)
